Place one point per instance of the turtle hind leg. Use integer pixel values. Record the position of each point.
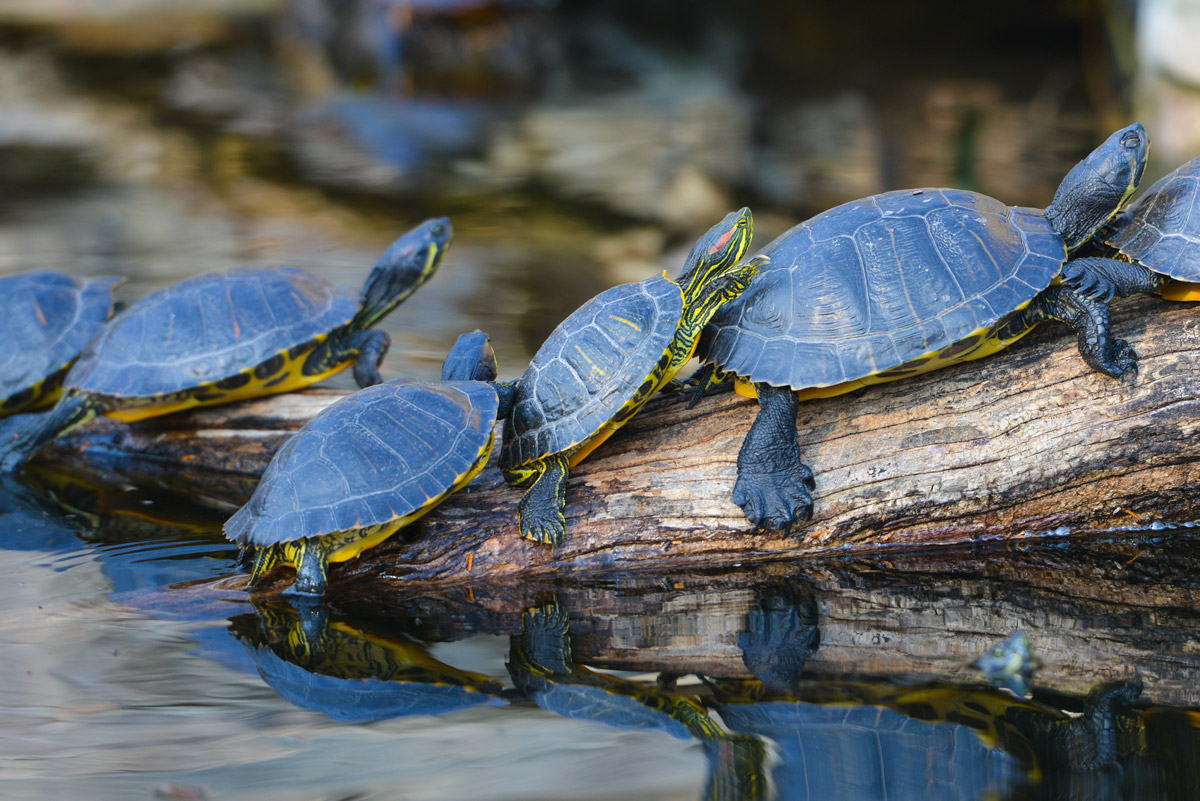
(1089, 318)
(773, 487)
(540, 514)
(311, 571)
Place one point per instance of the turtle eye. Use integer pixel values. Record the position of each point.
(1131, 140)
(439, 231)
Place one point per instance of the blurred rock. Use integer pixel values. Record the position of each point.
(818, 154)
(653, 155)
(1167, 82)
(135, 26)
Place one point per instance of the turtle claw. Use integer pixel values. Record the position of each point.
(542, 529)
(775, 502)
(1089, 283)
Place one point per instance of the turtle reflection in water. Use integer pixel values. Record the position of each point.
(352, 673)
(852, 740)
(542, 669)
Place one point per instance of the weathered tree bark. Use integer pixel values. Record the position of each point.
(1024, 443)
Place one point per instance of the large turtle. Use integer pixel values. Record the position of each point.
(46, 319)
(602, 364)
(1156, 240)
(898, 284)
(370, 464)
(239, 334)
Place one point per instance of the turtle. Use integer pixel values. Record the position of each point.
(1156, 243)
(48, 318)
(604, 361)
(370, 464)
(351, 672)
(901, 283)
(231, 335)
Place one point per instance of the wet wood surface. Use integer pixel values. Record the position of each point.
(1021, 444)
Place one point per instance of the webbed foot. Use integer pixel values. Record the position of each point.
(776, 499)
(540, 527)
(540, 514)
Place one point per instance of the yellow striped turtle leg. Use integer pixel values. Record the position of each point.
(773, 488)
(25, 436)
(366, 347)
(266, 557)
(312, 565)
(540, 513)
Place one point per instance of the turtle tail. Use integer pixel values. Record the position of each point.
(23, 435)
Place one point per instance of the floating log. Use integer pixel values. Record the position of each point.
(1026, 443)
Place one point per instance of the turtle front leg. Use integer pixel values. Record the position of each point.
(311, 571)
(372, 345)
(1089, 318)
(265, 558)
(1102, 279)
(366, 347)
(540, 514)
(773, 487)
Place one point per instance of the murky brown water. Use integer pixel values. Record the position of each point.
(574, 148)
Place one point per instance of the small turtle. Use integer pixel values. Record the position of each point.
(239, 334)
(602, 364)
(1156, 240)
(352, 673)
(46, 319)
(899, 284)
(370, 464)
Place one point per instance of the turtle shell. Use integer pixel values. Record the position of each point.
(48, 318)
(589, 367)
(1162, 229)
(208, 328)
(371, 458)
(875, 283)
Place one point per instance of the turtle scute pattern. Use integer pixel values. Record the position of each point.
(373, 457)
(882, 281)
(48, 319)
(208, 328)
(1162, 229)
(588, 368)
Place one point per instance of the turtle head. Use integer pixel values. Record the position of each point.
(471, 359)
(720, 248)
(1096, 188)
(404, 266)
